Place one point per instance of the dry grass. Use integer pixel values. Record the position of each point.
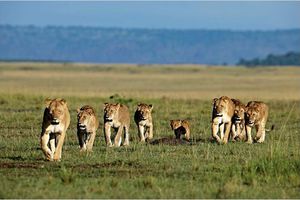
(173, 81)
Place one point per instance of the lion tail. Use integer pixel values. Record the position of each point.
(271, 129)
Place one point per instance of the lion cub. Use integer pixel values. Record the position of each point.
(143, 120)
(116, 116)
(87, 125)
(222, 113)
(55, 124)
(256, 115)
(238, 121)
(181, 127)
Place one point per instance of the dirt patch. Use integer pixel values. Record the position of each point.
(21, 165)
(174, 142)
(169, 141)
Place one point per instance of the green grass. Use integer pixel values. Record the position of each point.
(201, 170)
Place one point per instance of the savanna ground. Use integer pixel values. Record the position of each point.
(201, 170)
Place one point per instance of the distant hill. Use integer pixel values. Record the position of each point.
(115, 45)
(290, 59)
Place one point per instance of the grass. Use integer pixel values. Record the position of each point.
(172, 81)
(201, 170)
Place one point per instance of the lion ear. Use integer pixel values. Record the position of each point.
(63, 101)
(105, 105)
(90, 111)
(78, 110)
(139, 106)
(47, 102)
(151, 107)
(171, 123)
(118, 105)
(214, 100)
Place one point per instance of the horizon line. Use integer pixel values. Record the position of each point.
(152, 29)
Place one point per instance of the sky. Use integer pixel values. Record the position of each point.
(233, 15)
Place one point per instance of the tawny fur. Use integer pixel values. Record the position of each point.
(181, 127)
(116, 116)
(238, 121)
(143, 120)
(87, 125)
(222, 113)
(256, 116)
(56, 121)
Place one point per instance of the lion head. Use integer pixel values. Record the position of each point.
(84, 116)
(56, 110)
(143, 111)
(252, 114)
(175, 124)
(111, 111)
(239, 113)
(220, 105)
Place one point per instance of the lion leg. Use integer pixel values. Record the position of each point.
(242, 134)
(90, 141)
(248, 134)
(188, 134)
(177, 134)
(150, 136)
(52, 144)
(60, 142)
(262, 133)
(82, 145)
(238, 130)
(126, 133)
(44, 145)
(142, 132)
(234, 133)
(221, 128)
(214, 130)
(118, 138)
(107, 132)
(227, 131)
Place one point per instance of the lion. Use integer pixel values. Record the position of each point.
(256, 115)
(116, 116)
(56, 121)
(87, 125)
(181, 127)
(238, 121)
(143, 120)
(222, 113)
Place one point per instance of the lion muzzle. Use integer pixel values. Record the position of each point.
(81, 126)
(238, 119)
(54, 121)
(250, 123)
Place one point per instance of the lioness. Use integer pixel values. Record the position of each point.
(222, 113)
(256, 115)
(181, 127)
(87, 125)
(55, 123)
(238, 121)
(116, 116)
(143, 120)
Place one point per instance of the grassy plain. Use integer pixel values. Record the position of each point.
(201, 170)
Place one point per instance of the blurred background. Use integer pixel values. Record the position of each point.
(211, 33)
